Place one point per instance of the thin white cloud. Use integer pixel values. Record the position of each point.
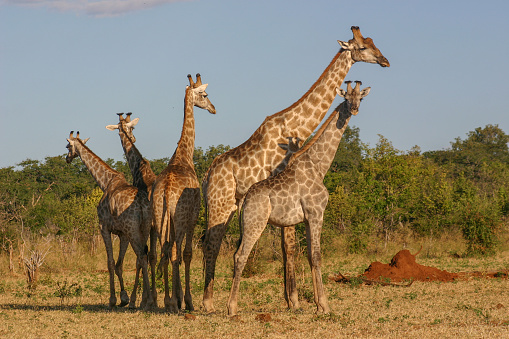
(96, 8)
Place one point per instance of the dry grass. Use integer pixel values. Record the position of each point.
(71, 299)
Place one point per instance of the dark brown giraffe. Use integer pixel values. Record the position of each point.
(143, 178)
(124, 210)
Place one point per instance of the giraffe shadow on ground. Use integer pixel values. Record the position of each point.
(77, 308)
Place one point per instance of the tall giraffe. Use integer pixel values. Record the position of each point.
(232, 173)
(176, 200)
(143, 178)
(295, 195)
(123, 210)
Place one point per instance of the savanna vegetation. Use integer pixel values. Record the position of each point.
(453, 202)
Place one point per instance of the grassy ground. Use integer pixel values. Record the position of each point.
(71, 297)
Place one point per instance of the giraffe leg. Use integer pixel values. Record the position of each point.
(176, 293)
(211, 246)
(313, 231)
(132, 301)
(124, 243)
(251, 231)
(111, 266)
(153, 260)
(165, 260)
(288, 250)
(142, 262)
(188, 255)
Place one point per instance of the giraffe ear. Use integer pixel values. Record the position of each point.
(344, 45)
(68, 140)
(341, 92)
(85, 141)
(201, 88)
(112, 127)
(133, 122)
(365, 91)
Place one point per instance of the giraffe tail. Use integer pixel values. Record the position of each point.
(203, 238)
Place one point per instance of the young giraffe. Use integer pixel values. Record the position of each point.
(124, 210)
(143, 178)
(176, 200)
(295, 195)
(232, 173)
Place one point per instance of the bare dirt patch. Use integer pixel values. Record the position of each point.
(403, 267)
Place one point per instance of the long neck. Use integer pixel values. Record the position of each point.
(185, 147)
(102, 173)
(143, 176)
(322, 148)
(301, 118)
(305, 115)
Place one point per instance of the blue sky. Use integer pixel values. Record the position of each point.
(71, 65)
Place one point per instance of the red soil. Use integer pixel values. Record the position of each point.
(404, 267)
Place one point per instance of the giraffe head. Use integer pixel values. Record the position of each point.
(200, 97)
(292, 146)
(353, 96)
(363, 49)
(125, 125)
(71, 146)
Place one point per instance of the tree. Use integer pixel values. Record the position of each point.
(202, 160)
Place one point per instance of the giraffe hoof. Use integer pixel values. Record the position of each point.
(172, 309)
(209, 307)
(124, 299)
(112, 303)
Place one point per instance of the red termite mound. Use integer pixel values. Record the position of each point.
(404, 267)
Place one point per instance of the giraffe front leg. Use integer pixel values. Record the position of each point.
(132, 302)
(211, 247)
(119, 270)
(153, 260)
(176, 293)
(111, 267)
(251, 234)
(288, 250)
(163, 263)
(188, 255)
(313, 231)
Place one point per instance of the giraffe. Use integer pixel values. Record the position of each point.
(295, 195)
(232, 173)
(123, 210)
(143, 178)
(176, 200)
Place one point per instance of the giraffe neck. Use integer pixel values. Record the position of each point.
(298, 120)
(301, 118)
(100, 171)
(185, 147)
(322, 148)
(143, 176)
